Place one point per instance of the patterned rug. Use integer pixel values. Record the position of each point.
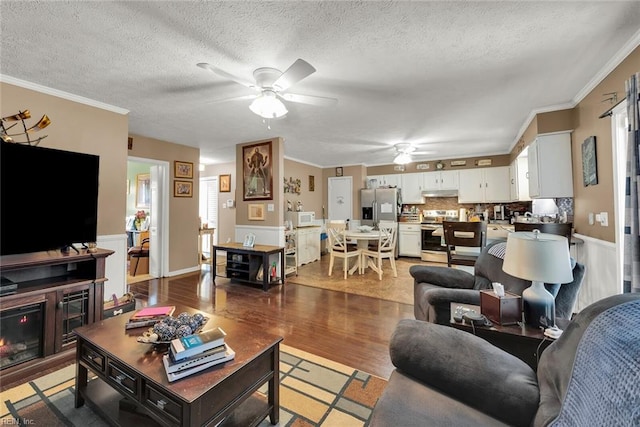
(313, 392)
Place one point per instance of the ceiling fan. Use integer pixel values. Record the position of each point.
(270, 85)
(404, 151)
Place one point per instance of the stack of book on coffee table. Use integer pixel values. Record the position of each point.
(194, 353)
(149, 316)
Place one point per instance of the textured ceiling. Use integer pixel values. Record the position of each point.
(455, 78)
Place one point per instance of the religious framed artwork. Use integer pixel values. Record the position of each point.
(183, 169)
(225, 183)
(589, 162)
(257, 168)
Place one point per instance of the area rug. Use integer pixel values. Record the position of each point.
(397, 289)
(313, 392)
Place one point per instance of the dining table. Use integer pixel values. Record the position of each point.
(362, 239)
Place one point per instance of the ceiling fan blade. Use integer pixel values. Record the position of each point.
(226, 75)
(296, 72)
(235, 98)
(308, 99)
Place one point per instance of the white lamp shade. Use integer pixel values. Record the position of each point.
(538, 257)
(268, 106)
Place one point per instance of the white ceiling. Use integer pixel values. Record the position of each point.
(458, 78)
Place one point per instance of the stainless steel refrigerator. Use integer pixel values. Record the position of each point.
(380, 204)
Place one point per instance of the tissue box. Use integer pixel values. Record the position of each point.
(506, 310)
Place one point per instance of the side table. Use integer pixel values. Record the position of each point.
(525, 342)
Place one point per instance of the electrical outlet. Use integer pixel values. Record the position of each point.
(224, 206)
(270, 207)
(591, 221)
(604, 219)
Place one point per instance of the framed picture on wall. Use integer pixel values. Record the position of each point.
(338, 171)
(225, 183)
(589, 162)
(183, 170)
(143, 191)
(256, 212)
(182, 188)
(257, 176)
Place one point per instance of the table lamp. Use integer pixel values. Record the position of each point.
(541, 258)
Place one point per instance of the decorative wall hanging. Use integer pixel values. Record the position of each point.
(292, 186)
(589, 162)
(256, 212)
(182, 188)
(225, 183)
(143, 191)
(183, 170)
(312, 183)
(339, 171)
(257, 177)
(26, 132)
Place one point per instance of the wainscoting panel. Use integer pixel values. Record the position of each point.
(599, 257)
(264, 235)
(115, 265)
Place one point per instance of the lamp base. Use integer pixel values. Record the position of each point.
(539, 306)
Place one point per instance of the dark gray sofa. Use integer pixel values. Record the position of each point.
(435, 287)
(448, 377)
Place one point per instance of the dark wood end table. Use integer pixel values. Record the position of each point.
(525, 342)
(224, 394)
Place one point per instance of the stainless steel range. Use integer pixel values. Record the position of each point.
(433, 248)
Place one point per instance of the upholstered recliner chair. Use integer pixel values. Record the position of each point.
(448, 377)
(435, 287)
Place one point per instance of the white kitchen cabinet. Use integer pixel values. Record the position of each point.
(441, 180)
(412, 185)
(519, 179)
(308, 244)
(393, 180)
(486, 185)
(550, 171)
(409, 240)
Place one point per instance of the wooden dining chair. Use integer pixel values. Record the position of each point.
(138, 252)
(339, 248)
(547, 227)
(467, 235)
(386, 248)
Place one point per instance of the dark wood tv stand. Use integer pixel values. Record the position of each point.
(70, 290)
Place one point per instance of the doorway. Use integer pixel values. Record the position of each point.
(147, 201)
(340, 197)
(208, 211)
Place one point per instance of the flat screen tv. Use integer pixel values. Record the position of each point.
(49, 198)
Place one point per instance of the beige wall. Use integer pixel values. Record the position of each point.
(598, 198)
(85, 129)
(311, 200)
(183, 211)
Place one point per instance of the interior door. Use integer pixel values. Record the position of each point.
(340, 196)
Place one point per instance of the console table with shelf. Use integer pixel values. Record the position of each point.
(250, 264)
(64, 291)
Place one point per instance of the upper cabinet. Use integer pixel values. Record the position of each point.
(484, 185)
(412, 185)
(441, 180)
(519, 179)
(384, 181)
(550, 170)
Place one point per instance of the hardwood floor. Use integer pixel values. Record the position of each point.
(350, 329)
(346, 328)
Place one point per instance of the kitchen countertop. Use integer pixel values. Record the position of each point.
(500, 232)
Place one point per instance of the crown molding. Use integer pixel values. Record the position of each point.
(304, 162)
(533, 114)
(61, 94)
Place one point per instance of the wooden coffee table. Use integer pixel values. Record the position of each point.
(132, 386)
(525, 342)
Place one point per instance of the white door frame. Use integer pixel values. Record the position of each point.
(159, 245)
(619, 146)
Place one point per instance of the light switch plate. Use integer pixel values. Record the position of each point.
(270, 207)
(604, 219)
(591, 221)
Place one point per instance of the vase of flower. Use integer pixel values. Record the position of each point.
(140, 219)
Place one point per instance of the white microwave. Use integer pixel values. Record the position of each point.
(301, 219)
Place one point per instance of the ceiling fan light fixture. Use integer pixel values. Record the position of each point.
(268, 106)
(402, 159)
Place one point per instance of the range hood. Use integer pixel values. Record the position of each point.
(440, 193)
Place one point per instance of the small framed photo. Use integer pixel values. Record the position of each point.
(249, 240)
(256, 212)
(182, 188)
(339, 171)
(225, 183)
(183, 170)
